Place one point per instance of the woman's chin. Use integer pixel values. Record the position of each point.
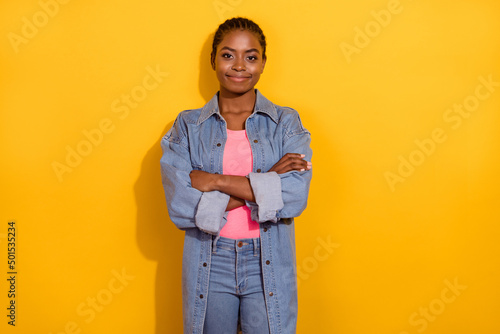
(236, 90)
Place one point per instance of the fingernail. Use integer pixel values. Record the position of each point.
(302, 170)
(302, 155)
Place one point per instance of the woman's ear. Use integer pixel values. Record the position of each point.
(212, 61)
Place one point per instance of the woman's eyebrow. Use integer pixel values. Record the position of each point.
(233, 50)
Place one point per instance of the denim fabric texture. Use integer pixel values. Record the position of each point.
(236, 288)
(196, 141)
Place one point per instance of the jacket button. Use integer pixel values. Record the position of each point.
(270, 294)
(201, 296)
(204, 264)
(240, 243)
(265, 229)
(218, 144)
(255, 141)
(267, 262)
(258, 170)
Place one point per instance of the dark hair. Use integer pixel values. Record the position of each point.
(234, 24)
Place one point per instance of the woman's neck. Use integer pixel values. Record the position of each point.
(236, 103)
(235, 109)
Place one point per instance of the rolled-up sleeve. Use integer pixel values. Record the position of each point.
(211, 213)
(187, 206)
(283, 195)
(268, 199)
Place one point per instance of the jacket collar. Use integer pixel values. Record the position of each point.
(262, 105)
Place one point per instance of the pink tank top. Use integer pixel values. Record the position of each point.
(238, 160)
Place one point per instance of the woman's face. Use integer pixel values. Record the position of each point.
(238, 62)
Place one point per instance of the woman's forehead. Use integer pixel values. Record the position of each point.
(240, 39)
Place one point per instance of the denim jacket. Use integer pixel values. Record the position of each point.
(196, 141)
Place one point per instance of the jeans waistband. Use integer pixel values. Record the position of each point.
(237, 244)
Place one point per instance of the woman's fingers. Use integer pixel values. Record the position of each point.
(290, 162)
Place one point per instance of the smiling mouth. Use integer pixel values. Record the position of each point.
(237, 78)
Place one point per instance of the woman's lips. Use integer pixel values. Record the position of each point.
(237, 79)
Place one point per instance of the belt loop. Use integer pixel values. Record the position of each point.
(214, 243)
(255, 248)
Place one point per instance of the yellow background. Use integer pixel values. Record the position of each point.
(393, 250)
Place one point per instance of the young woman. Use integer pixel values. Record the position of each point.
(235, 173)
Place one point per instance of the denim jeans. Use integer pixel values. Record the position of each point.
(236, 288)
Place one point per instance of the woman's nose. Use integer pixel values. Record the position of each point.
(238, 65)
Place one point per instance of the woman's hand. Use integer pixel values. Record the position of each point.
(203, 181)
(235, 202)
(291, 161)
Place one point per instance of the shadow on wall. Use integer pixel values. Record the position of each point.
(208, 83)
(158, 238)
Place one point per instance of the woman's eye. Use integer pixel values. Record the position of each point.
(252, 58)
(226, 55)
